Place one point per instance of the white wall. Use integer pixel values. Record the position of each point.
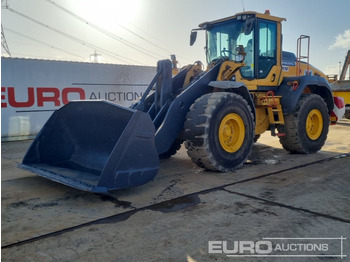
(32, 89)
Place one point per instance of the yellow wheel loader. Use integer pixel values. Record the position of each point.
(249, 86)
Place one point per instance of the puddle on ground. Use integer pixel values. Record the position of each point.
(116, 202)
(176, 204)
(172, 205)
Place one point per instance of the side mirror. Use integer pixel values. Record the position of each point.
(193, 37)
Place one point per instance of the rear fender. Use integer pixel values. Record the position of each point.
(293, 87)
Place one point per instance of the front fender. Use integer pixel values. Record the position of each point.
(236, 87)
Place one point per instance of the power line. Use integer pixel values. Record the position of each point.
(94, 47)
(41, 57)
(106, 32)
(43, 43)
(160, 40)
(141, 37)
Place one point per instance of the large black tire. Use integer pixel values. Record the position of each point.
(256, 138)
(173, 149)
(306, 128)
(219, 131)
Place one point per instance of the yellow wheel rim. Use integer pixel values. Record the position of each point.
(231, 133)
(314, 124)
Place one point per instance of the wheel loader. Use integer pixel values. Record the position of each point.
(249, 86)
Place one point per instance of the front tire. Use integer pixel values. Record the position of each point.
(173, 149)
(219, 131)
(306, 128)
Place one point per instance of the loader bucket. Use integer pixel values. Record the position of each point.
(95, 146)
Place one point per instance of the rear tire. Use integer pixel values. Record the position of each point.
(219, 131)
(306, 128)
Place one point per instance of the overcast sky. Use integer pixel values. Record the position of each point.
(144, 31)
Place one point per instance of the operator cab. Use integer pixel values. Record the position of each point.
(258, 34)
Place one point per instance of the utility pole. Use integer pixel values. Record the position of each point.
(4, 43)
(4, 4)
(96, 58)
(3, 39)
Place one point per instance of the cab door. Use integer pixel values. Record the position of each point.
(267, 52)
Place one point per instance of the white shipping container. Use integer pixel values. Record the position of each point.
(31, 90)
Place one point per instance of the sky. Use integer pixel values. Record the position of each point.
(142, 32)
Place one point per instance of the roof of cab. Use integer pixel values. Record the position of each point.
(266, 16)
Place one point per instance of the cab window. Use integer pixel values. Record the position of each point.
(267, 47)
(247, 41)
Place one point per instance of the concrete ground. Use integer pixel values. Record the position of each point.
(272, 209)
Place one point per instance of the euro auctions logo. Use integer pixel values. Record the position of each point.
(281, 247)
(240, 247)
